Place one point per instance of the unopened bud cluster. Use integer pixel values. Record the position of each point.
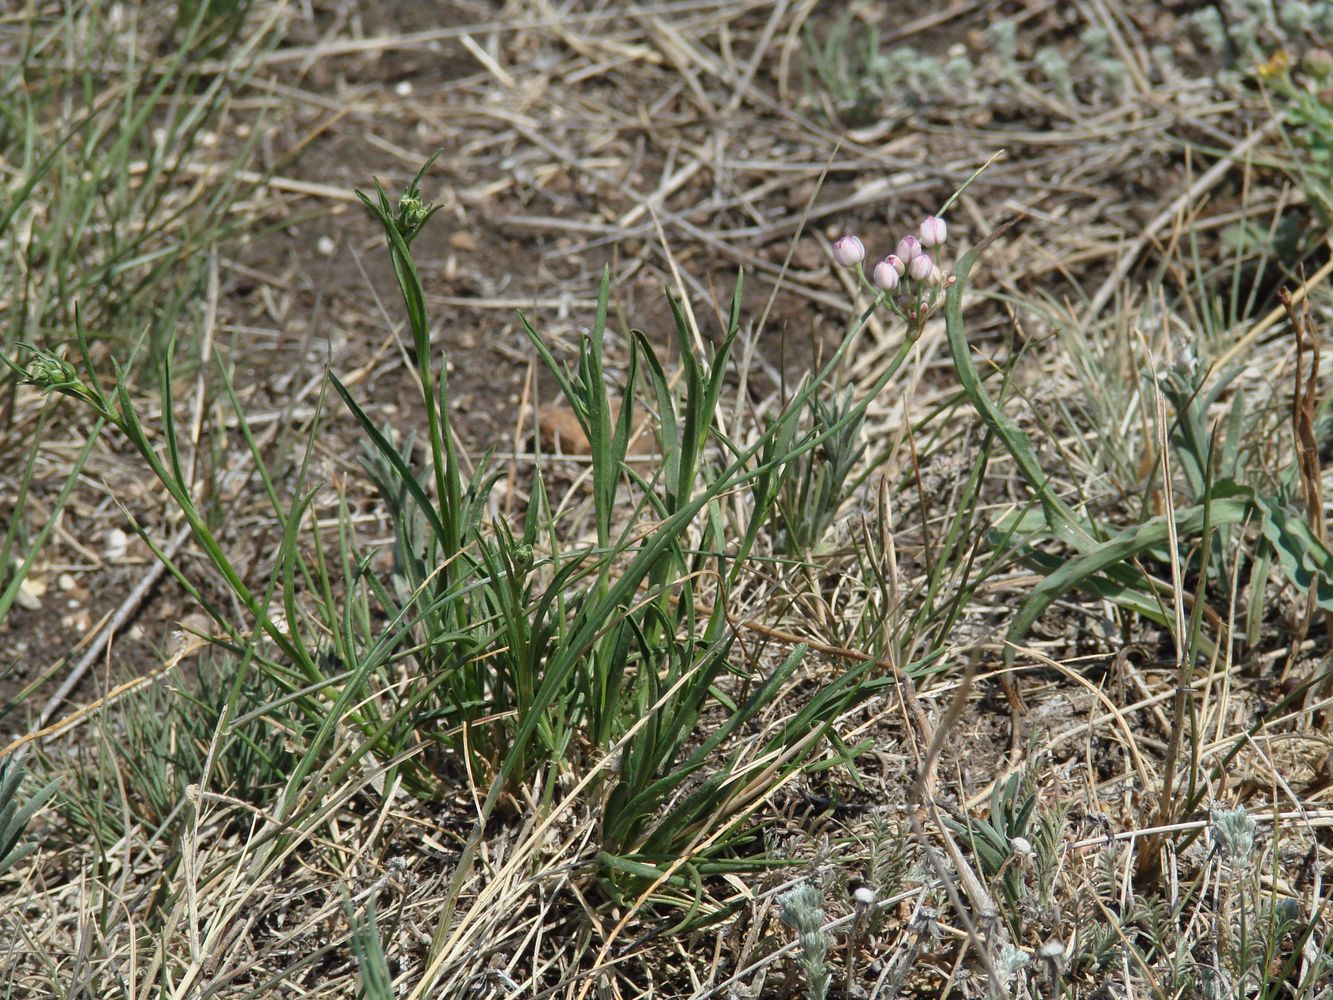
(51, 373)
(413, 212)
(908, 280)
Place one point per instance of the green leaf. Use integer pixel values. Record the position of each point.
(1128, 544)
(13, 816)
(390, 453)
(1063, 522)
(1305, 560)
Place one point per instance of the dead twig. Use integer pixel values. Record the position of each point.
(1304, 406)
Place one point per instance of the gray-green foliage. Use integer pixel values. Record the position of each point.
(16, 810)
(850, 67)
(1266, 944)
(1233, 830)
(165, 738)
(1248, 30)
(1055, 68)
(802, 910)
(1017, 842)
(1002, 35)
(1309, 118)
(861, 79)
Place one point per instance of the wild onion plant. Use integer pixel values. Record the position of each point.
(552, 656)
(513, 654)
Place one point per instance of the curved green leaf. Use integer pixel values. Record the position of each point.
(1127, 545)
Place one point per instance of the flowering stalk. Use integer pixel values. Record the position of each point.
(54, 374)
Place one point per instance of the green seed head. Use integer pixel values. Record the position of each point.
(51, 373)
(412, 213)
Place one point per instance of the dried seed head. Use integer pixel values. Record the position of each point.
(1053, 950)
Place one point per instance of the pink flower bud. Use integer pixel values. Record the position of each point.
(849, 250)
(886, 274)
(921, 267)
(894, 261)
(908, 247)
(936, 277)
(933, 231)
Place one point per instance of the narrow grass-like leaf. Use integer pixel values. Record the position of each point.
(1066, 525)
(1126, 545)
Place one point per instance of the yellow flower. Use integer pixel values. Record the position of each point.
(1277, 65)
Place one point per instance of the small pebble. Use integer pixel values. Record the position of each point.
(325, 246)
(117, 545)
(30, 594)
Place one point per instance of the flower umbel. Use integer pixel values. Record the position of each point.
(908, 281)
